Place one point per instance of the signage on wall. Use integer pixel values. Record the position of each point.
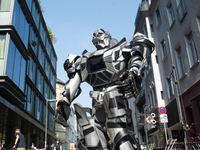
(163, 118)
(162, 110)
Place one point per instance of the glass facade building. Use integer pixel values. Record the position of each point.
(27, 73)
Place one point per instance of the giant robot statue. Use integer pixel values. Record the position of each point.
(114, 71)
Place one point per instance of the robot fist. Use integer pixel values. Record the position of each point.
(62, 113)
(130, 83)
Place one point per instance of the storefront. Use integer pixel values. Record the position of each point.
(13, 117)
(191, 108)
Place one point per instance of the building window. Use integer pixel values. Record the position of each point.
(40, 81)
(180, 63)
(158, 18)
(154, 96)
(170, 87)
(46, 90)
(144, 31)
(192, 52)
(16, 66)
(163, 48)
(20, 23)
(2, 49)
(31, 69)
(181, 8)
(152, 29)
(41, 56)
(35, 14)
(170, 14)
(33, 39)
(198, 21)
(4, 5)
(29, 3)
(29, 105)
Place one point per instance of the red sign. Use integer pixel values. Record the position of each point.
(162, 110)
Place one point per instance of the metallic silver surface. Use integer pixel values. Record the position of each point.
(114, 71)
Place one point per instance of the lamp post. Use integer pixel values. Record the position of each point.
(48, 100)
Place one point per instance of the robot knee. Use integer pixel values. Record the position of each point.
(125, 137)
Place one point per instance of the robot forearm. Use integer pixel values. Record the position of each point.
(63, 106)
(71, 87)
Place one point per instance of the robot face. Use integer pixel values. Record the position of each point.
(101, 39)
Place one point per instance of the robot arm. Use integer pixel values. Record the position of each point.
(72, 89)
(142, 48)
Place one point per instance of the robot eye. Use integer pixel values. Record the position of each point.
(99, 34)
(100, 41)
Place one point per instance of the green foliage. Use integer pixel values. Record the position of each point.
(52, 36)
(40, 6)
(161, 135)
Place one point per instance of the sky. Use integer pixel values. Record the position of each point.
(74, 21)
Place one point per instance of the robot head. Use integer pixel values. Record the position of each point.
(101, 39)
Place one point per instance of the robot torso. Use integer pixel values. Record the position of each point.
(103, 67)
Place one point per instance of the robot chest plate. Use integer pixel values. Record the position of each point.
(104, 68)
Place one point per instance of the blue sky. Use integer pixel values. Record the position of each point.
(74, 21)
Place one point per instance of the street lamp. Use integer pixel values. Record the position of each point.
(48, 100)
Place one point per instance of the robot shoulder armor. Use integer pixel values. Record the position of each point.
(72, 63)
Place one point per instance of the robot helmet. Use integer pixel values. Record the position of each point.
(101, 39)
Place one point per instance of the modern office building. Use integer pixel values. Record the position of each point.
(174, 26)
(27, 73)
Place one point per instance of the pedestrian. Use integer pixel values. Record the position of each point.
(58, 145)
(33, 146)
(143, 146)
(19, 140)
(4, 147)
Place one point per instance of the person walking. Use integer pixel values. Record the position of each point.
(4, 147)
(19, 140)
(143, 146)
(33, 146)
(58, 145)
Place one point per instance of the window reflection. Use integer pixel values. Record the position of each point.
(29, 105)
(16, 66)
(20, 23)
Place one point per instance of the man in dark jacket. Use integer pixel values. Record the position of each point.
(58, 145)
(19, 140)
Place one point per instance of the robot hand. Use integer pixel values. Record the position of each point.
(131, 83)
(62, 113)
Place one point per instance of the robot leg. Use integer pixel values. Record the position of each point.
(94, 132)
(118, 121)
